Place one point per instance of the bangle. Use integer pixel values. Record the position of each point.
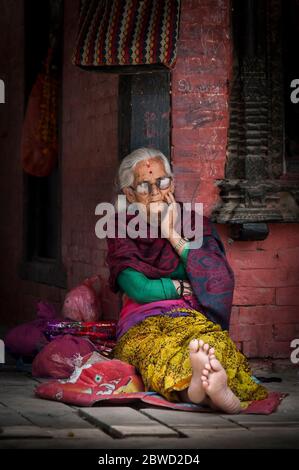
(180, 288)
(180, 243)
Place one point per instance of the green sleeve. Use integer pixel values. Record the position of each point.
(142, 289)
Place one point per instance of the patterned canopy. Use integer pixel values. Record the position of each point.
(127, 32)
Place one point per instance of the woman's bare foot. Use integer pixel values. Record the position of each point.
(199, 356)
(214, 382)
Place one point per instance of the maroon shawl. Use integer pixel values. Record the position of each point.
(207, 268)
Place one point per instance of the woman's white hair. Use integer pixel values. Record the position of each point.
(127, 166)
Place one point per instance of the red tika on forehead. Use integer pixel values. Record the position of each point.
(148, 166)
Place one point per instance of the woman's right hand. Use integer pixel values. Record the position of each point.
(187, 287)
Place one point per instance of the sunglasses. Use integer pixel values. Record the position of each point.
(145, 187)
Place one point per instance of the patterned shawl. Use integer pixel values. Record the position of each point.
(209, 273)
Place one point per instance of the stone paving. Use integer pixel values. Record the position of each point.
(30, 422)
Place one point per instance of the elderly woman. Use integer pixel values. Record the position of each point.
(174, 320)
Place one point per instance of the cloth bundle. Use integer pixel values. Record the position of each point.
(101, 334)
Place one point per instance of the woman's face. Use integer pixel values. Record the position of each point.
(149, 171)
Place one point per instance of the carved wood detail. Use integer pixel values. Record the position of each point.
(255, 188)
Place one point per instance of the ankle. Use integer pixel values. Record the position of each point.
(231, 402)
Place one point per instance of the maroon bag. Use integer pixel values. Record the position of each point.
(59, 358)
(29, 338)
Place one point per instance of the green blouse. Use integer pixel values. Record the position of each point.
(142, 289)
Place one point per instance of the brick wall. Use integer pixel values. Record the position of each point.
(11, 66)
(17, 298)
(200, 100)
(266, 308)
(90, 153)
(265, 311)
(89, 161)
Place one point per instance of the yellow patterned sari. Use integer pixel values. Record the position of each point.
(159, 349)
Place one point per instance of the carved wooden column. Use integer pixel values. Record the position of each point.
(254, 190)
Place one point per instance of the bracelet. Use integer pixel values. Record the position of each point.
(180, 243)
(180, 289)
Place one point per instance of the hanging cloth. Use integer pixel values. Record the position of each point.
(39, 146)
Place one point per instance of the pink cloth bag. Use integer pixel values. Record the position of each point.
(83, 302)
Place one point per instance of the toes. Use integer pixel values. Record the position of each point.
(205, 384)
(206, 348)
(208, 367)
(205, 372)
(212, 351)
(215, 364)
(193, 345)
(200, 343)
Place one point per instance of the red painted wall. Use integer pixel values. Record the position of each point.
(265, 312)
